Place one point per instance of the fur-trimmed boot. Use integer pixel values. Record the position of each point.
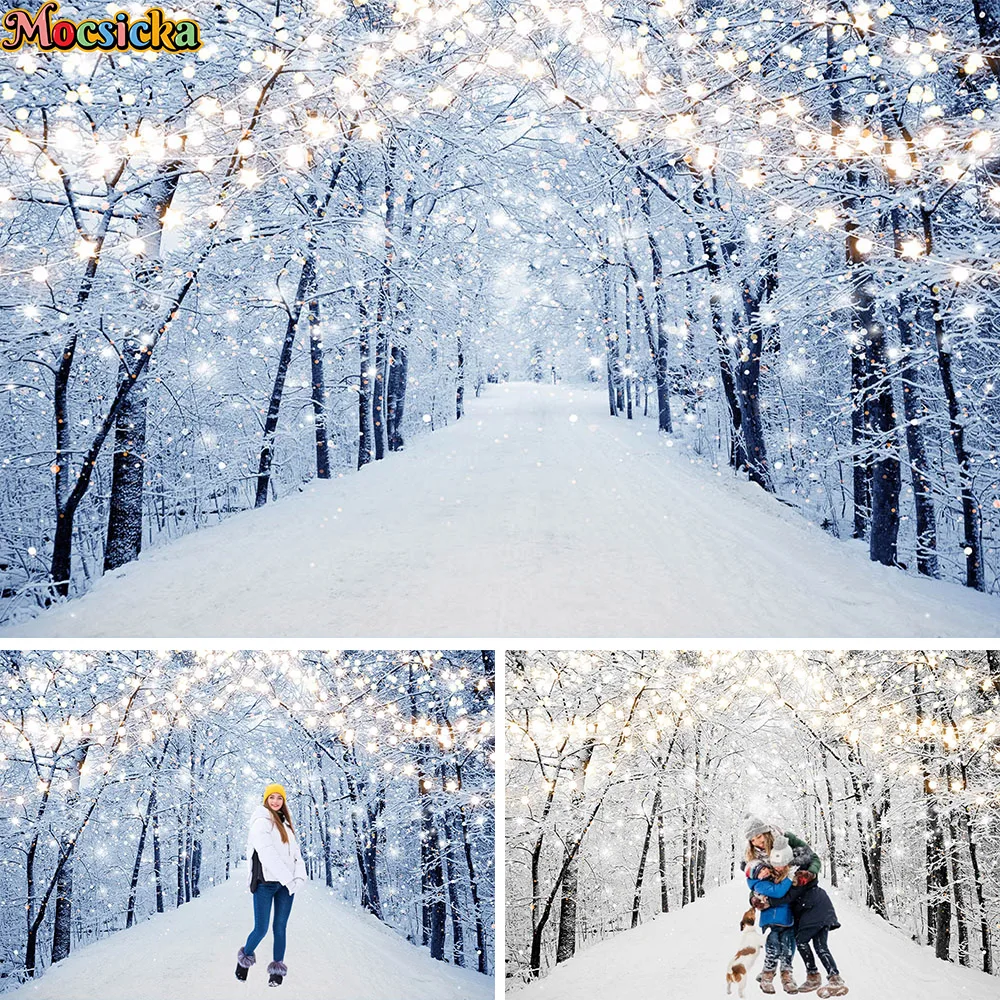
(788, 981)
(767, 981)
(243, 963)
(812, 983)
(835, 987)
(277, 972)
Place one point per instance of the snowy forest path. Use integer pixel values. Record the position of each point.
(685, 954)
(536, 515)
(334, 951)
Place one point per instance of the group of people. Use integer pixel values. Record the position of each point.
(782, 873)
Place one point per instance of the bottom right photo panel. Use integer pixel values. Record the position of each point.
(708, 822)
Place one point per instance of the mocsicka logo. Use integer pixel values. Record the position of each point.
(155, 31)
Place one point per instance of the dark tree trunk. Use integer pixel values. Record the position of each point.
(180, 861)
(612, 396)
(364, 383)
(938, 894)
(137, 867)
(483, 964)
(862, 312)
(880, 447)
(661, 847)
(977, 881)
(68, 504)
(460, 378)
(62, 543)
(31, 944)
(124, 534)
(661, 357)
(540, 921)
(755, 293)
(62, 930)
(303, 293)
(195, 829)
(610, 344)
(566, 941)
(831, 825)
(306, 287)
(379, 386)
(196, 868)
(914, 412)
(975, 576)
(364, 823)
(885, 470)
(876, 888)
(318, 392)
(451, 878)
(941, 900)
(398, 364)
(325, 832)
(628, 354)
(432, 869)
(62, 924)
(157, 862)
(861, 473)
(713, 264)
(36, 914)
(384, 314)
(747, 378)
(643, 855)
(31, 903)
(371, 899)
(961, 920)
(68, 498)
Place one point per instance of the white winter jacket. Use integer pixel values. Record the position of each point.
(281, 862)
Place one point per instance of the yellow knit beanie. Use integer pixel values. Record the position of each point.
(275, 789)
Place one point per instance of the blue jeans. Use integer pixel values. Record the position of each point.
(262, 898)
(822, 950)
(780, 946)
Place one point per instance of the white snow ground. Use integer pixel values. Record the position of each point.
(536, 515)
(685, 954)
(335, 952)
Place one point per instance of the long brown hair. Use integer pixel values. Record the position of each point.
(768, 845)
(281, 817)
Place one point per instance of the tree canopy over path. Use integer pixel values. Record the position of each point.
(233, 272)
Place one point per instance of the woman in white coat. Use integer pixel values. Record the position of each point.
(276, 873)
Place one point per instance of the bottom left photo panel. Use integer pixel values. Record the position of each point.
(183, 824)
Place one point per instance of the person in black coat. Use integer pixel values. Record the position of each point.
(814, 917)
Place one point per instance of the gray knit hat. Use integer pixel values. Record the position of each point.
(781, 853)
(754, 827)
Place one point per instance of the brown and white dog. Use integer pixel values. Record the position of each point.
(745, 958)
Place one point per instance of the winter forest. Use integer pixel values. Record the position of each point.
(629, 775)
(128, 779)
(772, 232)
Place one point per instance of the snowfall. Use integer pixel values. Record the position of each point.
(536, 515)
(335, 952)
(686, 953)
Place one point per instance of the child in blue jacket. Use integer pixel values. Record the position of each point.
(778, 921)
